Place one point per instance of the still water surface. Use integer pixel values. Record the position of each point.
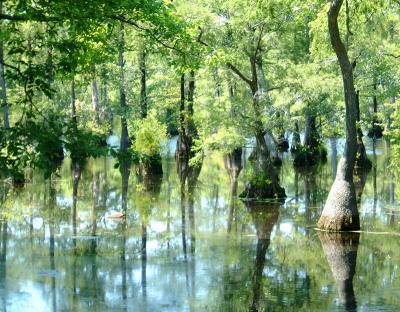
(208, 252)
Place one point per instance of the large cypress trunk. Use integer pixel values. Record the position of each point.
(340, 211)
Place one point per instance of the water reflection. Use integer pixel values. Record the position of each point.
(103, 239)
(340, 250)
(264, 217)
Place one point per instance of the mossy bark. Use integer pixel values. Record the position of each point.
(312, 151)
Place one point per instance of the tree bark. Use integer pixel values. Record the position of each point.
(340, 211)
(191, 127)
(73, 104)
(376, 131)
(182, 152)
(125, 142)
(143, 87)
(3, 84)
(95, 98)
(362, 161)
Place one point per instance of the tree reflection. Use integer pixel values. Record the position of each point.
(264, 217)
(340, 250)
(233, 165)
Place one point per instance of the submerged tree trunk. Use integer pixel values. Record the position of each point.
(3, 85)
(125, 142)
(340, 211)
(340, 250)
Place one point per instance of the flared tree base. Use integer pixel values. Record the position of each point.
(340, 210)
(261, 188)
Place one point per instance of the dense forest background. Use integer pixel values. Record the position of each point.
(215, 72)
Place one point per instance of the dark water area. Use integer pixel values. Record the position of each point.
(209, 252)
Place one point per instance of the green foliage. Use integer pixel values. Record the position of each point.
(225, 140)
(150, 134)
(83, 143)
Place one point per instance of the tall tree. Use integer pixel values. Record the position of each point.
(340, 211)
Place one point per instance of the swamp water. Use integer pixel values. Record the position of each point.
(207, 253)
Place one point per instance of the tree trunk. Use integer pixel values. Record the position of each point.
(296, 142)
(266, 182)
(143, 88)
(376, 131)
(340, 211)
(191, 127)
(125, 142)
(261, 76)
(362, 161)
(73, 104)
(340, 250)
(3, 85)
(182, 152)
(95, 98)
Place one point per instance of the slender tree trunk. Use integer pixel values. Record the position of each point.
(340, 211)
(182, 152)
(362, 161)
(376, 131)
(191, 128)
(95, 98)
(3, 85)
(73, 104)
(143, 88)
(125, 142)
(296, 142)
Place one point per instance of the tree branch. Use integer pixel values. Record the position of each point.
(239, 73)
